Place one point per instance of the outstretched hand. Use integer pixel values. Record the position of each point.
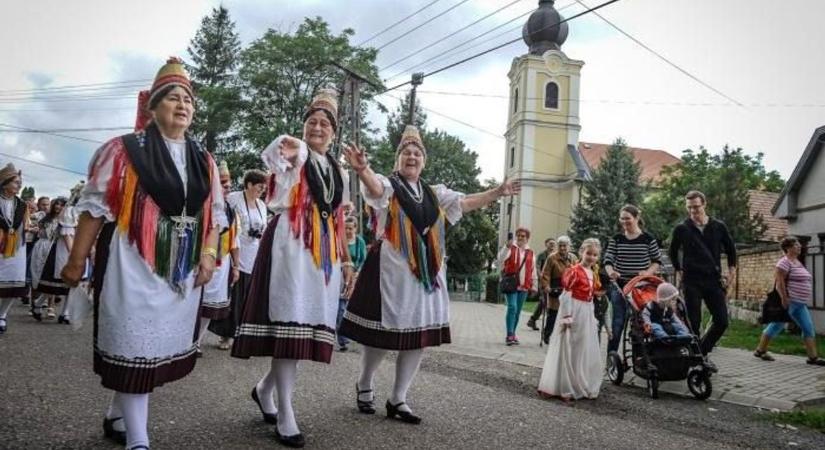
(288, 148)
(356, 157)
(509, 187)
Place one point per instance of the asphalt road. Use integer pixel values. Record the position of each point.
(50, 398)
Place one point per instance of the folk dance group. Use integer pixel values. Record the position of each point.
(170, 244)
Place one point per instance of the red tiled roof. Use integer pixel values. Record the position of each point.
(761, 202)
(651, 161)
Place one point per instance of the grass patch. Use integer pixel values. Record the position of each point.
(744, 335)
(813, 418)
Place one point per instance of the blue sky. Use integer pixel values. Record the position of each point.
(752, 50)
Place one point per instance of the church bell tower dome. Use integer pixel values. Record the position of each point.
(543, 32)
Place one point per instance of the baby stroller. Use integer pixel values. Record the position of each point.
(669, 359)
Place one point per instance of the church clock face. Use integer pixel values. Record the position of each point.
(553, 62)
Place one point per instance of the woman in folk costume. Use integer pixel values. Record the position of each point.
(251, 212)
(67, 226)
(400, 301)
(289, 314)
(573, 367)
(44, 282)
(14, 215)
(215, 304)
(517, 259)
(154, 204)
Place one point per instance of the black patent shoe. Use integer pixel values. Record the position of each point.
(110, 433)
(294, 441)
(404, 416)
(63, 319)
(268, 417)
(38, 316)
(3, 327)
(364, 407)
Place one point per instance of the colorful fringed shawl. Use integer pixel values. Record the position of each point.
(11, 229)
(417, 235)
(226, 241)
(321, 231)
(170, 247)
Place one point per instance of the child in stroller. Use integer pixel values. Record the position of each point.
(674, 355)
(660, 317)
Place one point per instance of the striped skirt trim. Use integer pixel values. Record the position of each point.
(141, 375)
(12, 289)
(215, 311)
(284, 341)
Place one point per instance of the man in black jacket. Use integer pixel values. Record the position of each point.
(701, 241)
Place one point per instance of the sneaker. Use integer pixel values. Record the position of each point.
(531, 323)
(710, 365)
(509, 341)
(50, 313)
(764, 356)
(816, 361)
(515, 340)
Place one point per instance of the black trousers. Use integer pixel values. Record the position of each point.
(549, 323)
(537, 312)
(711, 291)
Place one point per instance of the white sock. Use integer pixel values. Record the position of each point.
(5, 305)
(65, 306)
(38, 303)
(370, 360)
(285, 372)
(135, 409)
(204, 323)
(114, 412)
(266, 388)
(406, 366)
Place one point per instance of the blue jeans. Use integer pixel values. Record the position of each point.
(619, 304)
(515, 302)
(800, 314)
(678, 327)
(342, 306)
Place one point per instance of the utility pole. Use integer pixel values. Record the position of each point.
(417, 79)
(352, 106)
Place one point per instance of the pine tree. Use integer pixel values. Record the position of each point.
(214, 52)
(613, 184)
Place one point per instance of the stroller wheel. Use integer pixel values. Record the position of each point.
(699, 384)
(615, 368)
(653, 387)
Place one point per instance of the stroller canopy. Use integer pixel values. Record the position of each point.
(642, 290)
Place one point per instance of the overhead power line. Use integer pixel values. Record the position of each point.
(425, 23)
(73, 87)
(71, 130)
(15, 127)
(31, 161)
(390, 27)
(470, 58)
(438, 41)
(663, 58)
(456, 49)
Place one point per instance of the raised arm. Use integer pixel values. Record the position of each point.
(357, 159)
(478, 200)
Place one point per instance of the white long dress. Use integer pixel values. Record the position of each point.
(145, 329)
(573, 367)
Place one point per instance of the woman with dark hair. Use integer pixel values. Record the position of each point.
(45, 273)
(251, 212)
(401, 301)
(289, 313)
(795, 286)
(153, 203)
(14, 215)
(631, 253)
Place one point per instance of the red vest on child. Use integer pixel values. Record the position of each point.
(576, 281)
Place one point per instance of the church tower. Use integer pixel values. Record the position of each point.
(543, 131)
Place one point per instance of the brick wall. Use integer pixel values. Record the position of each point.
(755, 274)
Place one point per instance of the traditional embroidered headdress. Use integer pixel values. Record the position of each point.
(223, 170)
(410, 136)
(8, 172)
(325, 99)
(172, 73)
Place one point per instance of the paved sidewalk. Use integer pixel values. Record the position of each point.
(478, 330)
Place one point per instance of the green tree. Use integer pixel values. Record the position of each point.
(725, 179)
(613, 184)
(214, 52)
(280, 73)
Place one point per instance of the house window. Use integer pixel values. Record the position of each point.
(551, 95)
(515, 101)
(512, 155)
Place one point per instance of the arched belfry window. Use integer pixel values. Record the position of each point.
(515, 100)
(551, 95)
(512, 156)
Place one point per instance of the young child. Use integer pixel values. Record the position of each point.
(573, 367)
(659, 316)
